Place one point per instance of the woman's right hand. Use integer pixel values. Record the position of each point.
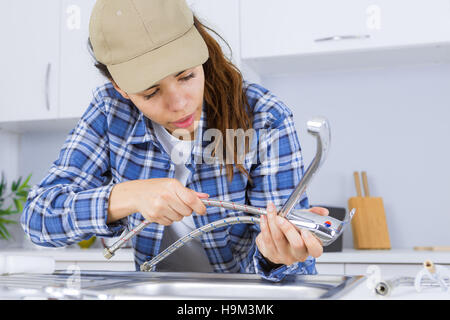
(160, 200)
(166, 200)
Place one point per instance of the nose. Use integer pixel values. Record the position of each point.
(175, 100)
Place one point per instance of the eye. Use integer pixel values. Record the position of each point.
(188, 77)
(151, 95)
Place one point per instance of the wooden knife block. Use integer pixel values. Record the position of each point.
(369, 225)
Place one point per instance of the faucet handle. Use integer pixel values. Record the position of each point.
(327, 228)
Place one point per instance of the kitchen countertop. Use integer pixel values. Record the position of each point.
(365, 291)
(407, 256)
(362, 292)
(64, 254)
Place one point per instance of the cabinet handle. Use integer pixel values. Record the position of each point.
(47, 85)
(346, 37)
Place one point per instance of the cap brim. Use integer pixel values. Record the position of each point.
(142, 72)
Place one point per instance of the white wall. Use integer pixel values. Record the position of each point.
(9, 165)
(47, 146)
(22, 154)
(393, 123)
(9, 146)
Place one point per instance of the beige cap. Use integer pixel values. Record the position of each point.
(144, 41)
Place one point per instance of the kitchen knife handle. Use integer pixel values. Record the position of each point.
(365, 184)
(357, 184)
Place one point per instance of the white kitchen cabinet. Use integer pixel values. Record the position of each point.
(223, 17)
(290, 27)
(29, 60)
(56, 75)
(411, 22)
(382, 270)
(315, 31)
(79, 76)
(384, 264)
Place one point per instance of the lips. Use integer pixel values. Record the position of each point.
(184, 122)
(184, 119)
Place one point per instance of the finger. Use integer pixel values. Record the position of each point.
(202, 195)
(171, 214)
(313, 246)
(162, 210)
(319, 210)
(277, 235)
(164, 221)
(266, 244)
(180, 208)
(178, 205)
(190, 199)
(297, 246)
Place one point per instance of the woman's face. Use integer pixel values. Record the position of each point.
(175, 102)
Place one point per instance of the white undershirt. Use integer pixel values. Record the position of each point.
(191, 257)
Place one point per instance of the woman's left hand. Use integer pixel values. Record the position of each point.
(280, 242)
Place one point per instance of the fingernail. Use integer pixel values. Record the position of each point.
(281, 221)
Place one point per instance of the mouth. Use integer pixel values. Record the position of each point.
(184, 122)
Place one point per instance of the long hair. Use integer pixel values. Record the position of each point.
(225, 99)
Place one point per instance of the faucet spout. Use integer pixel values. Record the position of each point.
(320, 128)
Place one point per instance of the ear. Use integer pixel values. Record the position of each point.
(123, 93)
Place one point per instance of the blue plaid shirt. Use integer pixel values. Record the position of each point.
(114, 142)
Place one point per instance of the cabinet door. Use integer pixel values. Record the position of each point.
(287, 27)
(293, 27)
(79, 77)
(412, 22)
(223, 17)
(29, 59)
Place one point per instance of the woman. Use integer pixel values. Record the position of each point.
(170, 85)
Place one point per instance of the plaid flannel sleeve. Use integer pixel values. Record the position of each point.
(70, 203)
(275, 175)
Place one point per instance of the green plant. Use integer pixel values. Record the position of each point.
(19, 193)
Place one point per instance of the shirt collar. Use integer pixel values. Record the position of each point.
(142, 131)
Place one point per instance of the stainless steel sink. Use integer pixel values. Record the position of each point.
(175, 285)
(194, 287)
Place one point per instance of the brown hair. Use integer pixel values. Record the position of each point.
(226, 101)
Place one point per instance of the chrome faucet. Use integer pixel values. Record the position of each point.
(326, 228)
(320, 128)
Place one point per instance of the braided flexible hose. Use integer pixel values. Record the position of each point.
(147, 266)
